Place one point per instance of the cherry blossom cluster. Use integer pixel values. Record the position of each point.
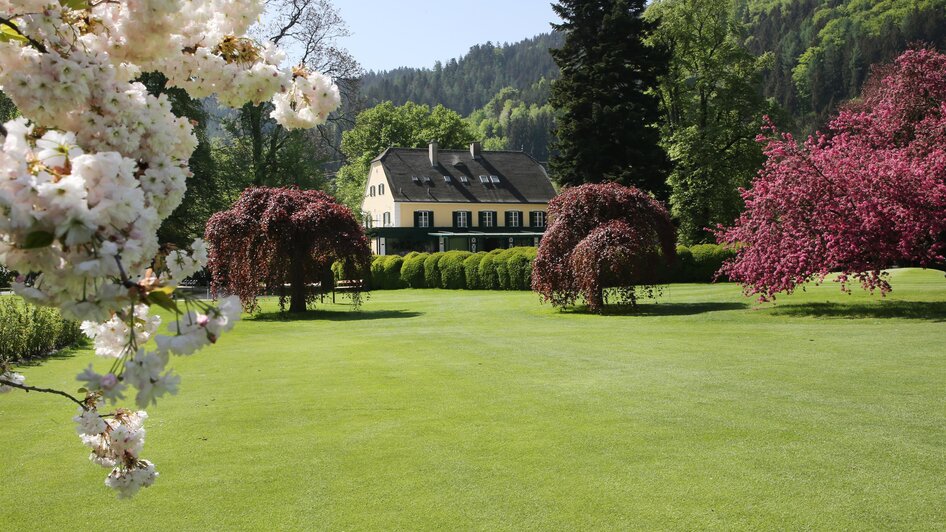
(116, 443)
(97, 163)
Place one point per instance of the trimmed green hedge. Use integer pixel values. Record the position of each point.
(412, 271)
(29, 332)
(511, 269)
(452, 274)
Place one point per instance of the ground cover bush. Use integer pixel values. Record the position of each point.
(30, 332)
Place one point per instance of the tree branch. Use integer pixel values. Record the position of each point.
(28, 389)
(33, 42)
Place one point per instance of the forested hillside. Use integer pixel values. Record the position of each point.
(823, 51)
(470, 82)
(824, 48)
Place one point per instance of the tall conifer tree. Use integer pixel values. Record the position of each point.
(605, 103)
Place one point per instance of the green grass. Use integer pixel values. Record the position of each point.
(487, 410)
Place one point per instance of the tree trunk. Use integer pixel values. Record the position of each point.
(297, 290)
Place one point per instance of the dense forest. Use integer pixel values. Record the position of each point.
(468, 83)
(824, 49)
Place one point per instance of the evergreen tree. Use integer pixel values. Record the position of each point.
(605, 104)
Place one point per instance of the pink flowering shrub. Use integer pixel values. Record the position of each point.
(866, 195)
(602, 236)
(283, 236)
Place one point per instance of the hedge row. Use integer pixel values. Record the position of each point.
(511, 269)
(699, 264)
(29, 332)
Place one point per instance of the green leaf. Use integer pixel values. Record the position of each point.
(75, 4)
(83, 390)
(38, 239)
(162, 299)
(8, 34)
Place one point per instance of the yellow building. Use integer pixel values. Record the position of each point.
(443, 200)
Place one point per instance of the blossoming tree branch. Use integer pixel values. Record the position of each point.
(94, 166)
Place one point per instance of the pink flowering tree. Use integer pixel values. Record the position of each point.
(96, 163)
(868, 194)
(603, 236)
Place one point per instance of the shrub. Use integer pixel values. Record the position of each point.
(471, 270)
(28, 332)
(708, 259)
(412, 270)
(518, 268)
(377, 272)
(432, 270)
(5, 277)
(489, 278)
(502, 272)
(392, 272)
(452, 274)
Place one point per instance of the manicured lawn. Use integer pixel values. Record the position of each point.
(466, 410)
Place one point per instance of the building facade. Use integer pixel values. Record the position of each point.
(445, 200)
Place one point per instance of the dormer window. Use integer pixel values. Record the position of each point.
(447, 179)
(415, 179)
(484, 179)
(464, 179)
(494, 179)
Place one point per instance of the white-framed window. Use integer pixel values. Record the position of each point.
(539, 219)
(515, 219)
(423, 218)
(368, 220)
(463, 219)
(386, 219)
(488, 219)
(381, 190)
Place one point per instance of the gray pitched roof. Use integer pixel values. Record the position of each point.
(521, 178)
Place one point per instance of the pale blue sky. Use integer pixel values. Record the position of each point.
(387, 34)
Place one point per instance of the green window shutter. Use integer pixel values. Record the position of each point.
(482, 221)
(416, 218)
(456, 218)
(432, 224)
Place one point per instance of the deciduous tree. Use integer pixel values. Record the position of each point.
(385, 126)
(868, 194)
(712, 108)
(602, 236)
(276, 237)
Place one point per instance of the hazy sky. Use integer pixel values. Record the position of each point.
(387, 34)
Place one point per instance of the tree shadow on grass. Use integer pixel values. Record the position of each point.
(62, 354)
(333, 315)
(911, 310)
(661, 309)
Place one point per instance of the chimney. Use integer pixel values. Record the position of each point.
(476, 150)
(434, 154)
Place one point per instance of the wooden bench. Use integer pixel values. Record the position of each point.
(349, 285)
